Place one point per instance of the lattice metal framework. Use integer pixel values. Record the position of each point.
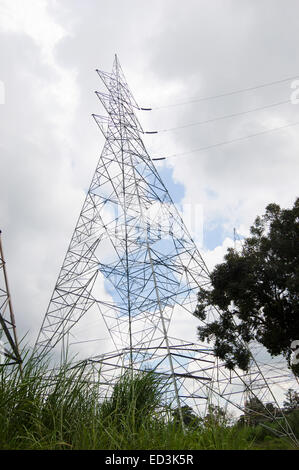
(8, 334)
(132, 261)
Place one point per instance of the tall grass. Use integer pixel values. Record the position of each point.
(135, 399)
(61, 409)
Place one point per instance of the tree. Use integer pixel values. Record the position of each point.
(292, 401)
(190, 419)
(255, 412)
(217, 416)
(256, 291)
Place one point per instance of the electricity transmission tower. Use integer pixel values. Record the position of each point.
(8, 334)
(132, 271)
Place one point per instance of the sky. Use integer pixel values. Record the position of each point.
(173, 54)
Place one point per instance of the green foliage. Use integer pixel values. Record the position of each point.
(190, 419)
(41, 406)
(266, 431)
(256, 412)
(61, 409)
(293, 420)
(216, 416)
(292, 400)
(266, 435)
(218, 437)
(257, 291)
(135, 398)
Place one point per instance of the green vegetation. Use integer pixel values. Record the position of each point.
(61, 410)
(257, 291)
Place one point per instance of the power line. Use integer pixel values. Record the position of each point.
(226, 116)
(230, 93)
(238, 139)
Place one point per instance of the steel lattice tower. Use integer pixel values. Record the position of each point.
(132, 261)
(8, 333)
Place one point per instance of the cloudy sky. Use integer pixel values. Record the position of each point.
(173, 54)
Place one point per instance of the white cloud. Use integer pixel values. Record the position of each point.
(36, 164)
(169, 51)
(33, 19)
